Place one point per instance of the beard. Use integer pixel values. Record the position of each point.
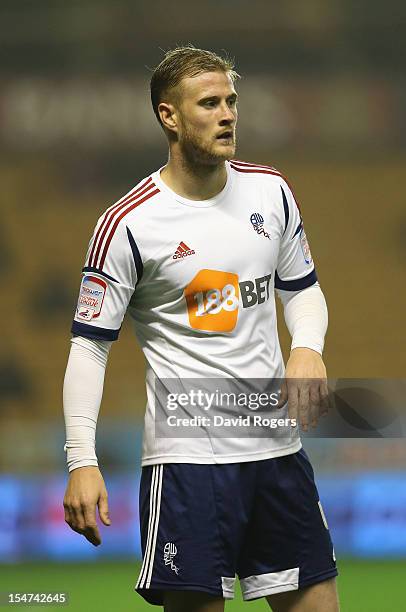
(203, 151)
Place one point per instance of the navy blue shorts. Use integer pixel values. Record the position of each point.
(203, 524)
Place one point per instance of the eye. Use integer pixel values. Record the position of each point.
(210, 103)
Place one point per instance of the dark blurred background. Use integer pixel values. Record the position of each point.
(322, 98)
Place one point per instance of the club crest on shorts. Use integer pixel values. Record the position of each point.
(170, 551)
(91, 297)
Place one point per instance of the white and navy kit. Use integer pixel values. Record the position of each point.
(197, 278)
(201, 525)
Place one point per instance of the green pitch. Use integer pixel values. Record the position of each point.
(365, 586)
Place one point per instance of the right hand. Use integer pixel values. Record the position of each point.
(85, 491)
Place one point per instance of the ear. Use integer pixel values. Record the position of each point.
(167, 113)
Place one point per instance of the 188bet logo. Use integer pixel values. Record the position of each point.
(213, 298)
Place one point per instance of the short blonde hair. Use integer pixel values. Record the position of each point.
(181, 62)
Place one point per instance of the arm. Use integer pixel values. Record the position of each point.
(305, 385)
(305, 312)
(82, 393)
(106, 289)
(306, 318)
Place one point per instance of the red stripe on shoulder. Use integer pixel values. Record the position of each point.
(258, 169)
(113, 215)
(118, 218)
(251, 165)
(110, 213)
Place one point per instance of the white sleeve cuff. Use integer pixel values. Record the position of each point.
(306, 317)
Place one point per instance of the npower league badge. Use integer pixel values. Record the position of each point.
(91, 297)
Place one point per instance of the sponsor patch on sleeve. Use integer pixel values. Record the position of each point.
(91, 297)
(305, 247)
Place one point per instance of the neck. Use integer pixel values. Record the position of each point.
(194, 181)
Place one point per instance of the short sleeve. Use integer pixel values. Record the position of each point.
(295, 268)
(113, 267)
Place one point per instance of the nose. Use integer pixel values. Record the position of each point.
(227, 115)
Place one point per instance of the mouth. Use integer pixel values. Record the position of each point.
(226, 136)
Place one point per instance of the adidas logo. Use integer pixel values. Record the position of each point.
(182, 251)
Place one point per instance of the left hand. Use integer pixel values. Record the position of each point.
(305, 387)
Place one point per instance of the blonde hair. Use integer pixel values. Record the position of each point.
(181, 62)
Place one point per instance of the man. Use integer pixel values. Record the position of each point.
(194, 252)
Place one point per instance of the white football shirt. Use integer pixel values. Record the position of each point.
(197, 278)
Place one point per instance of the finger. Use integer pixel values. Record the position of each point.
(103, 506)
(72, 524)
(293, 399)
(76, 514)
(66, 512)
(77, 530)
(324, 398)
(91, 531)
(69, 519)
(304, 401)
(314, 415)
(92, 535)
(314, 403)
(74, 517)
(283, 398)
